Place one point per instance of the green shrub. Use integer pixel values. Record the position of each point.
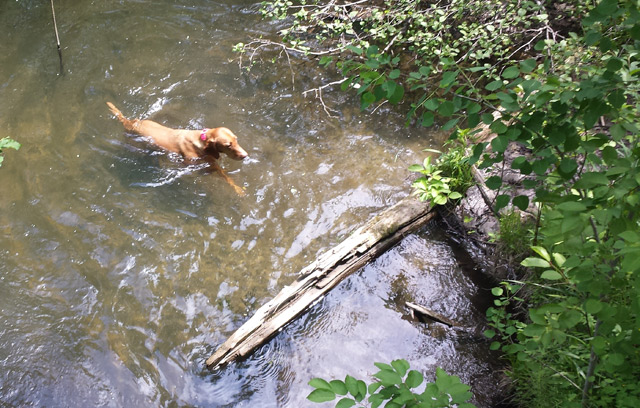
(394, 385)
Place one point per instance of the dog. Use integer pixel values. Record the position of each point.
(204, 144)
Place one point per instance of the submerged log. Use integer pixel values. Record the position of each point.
(423, 311)
(365, 244)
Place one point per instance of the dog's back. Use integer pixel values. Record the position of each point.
(162, 136)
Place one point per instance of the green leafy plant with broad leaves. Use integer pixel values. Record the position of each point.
(446, 179)
(432, 186)
(395, 384)
(7, 143)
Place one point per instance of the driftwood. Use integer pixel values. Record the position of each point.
(423, 311)
(378, 235)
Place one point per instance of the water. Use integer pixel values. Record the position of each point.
(122, 267)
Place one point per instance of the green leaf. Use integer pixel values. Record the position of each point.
(321, 395)
(394, 74)
(354, 49)
(616, 98)
(319, 383)
(493, 86)
(414, 379)
(388, 378)
(473, 108)
(450, 124)
(366, 100)
(617, 132)
(345, 403)
(572, 206)
(397, 95)
(431, 104)
(389, 87)
(372, 51)
(533, 262)
(592, 306)
(362, 390)
(448, 78)
(500, 143)
(615, 359)
(498, 127)
(502, 201)
(629, 236)
(592, 37)
(521, 201)
(326, 60)
(511, 72)
(570, 318)
(607, 7)
(427, 119)
(528, 65)
(352, 385)
(614, 64)
(487, 118)
(494, 182)
(544, 254)
(567, 167)
(401, 366)
(550, 274)
(446, 108)
(339, 387)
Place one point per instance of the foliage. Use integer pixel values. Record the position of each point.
(432, 186)
(561, 85)
(582, 325)
(447, 179)
(7, 143)
(515, 236)
(394, 384)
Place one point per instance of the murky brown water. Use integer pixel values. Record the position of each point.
(121, 268)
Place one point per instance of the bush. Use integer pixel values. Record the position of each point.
(394, 384)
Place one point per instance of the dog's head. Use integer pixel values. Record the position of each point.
(222, 140)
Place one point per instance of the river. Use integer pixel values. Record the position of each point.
(122, 267)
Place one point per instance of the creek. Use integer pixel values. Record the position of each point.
(122, 268)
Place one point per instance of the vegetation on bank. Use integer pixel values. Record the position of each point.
(393, 387)
(559, 78)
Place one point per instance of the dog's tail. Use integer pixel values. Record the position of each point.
(128, 124)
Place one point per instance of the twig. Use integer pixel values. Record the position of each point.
(55, 27)
(318, 92)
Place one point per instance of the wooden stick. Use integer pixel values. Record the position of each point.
(430, 314)
(55, 27)
(365, 244)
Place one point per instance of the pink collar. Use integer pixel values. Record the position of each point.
(203, 135)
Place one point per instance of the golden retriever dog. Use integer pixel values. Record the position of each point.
(204, 144)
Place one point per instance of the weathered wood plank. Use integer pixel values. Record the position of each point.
(366, 243)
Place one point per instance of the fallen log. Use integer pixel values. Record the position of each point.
(423, 311)
(365, 244)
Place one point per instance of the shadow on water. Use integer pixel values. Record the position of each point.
(123, 267)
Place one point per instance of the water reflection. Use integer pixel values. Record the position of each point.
(122, 267)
